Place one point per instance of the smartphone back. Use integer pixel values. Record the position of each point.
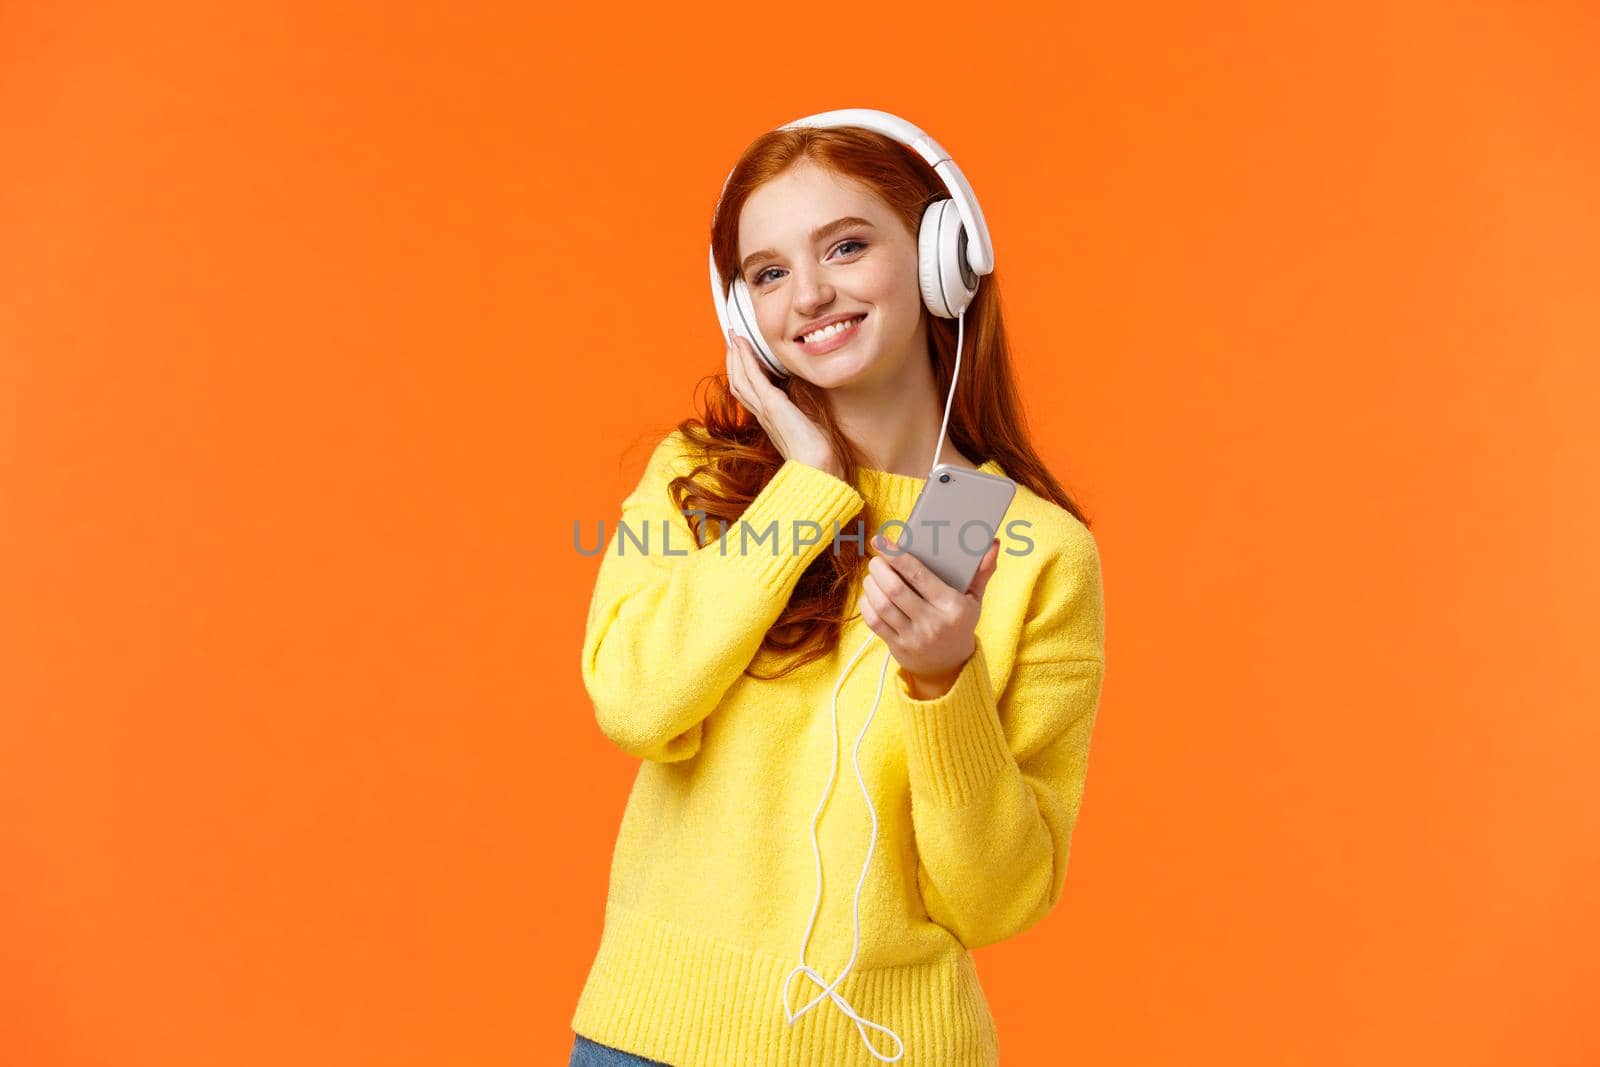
(956, 516)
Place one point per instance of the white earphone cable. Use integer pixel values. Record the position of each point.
(855, 757)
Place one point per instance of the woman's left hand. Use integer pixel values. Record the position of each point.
(927, 625)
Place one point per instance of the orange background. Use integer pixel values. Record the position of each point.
(321, 324)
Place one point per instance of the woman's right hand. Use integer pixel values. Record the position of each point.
(795, 436)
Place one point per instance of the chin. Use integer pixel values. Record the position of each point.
(839, 377)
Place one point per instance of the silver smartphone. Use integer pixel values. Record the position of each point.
(956, 516)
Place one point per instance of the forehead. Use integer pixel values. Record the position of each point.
(786, 209)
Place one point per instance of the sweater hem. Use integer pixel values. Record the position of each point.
(659, 990)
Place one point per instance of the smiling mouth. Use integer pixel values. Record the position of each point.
(837, 335)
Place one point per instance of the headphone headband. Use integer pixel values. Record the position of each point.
(980, 250)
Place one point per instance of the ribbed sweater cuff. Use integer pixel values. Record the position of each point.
(955, 744)
(795, 497)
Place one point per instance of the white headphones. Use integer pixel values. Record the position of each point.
(953, 246)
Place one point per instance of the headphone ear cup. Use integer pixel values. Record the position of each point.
(948, 284)
(742, 316)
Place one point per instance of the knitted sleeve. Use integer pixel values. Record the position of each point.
(996, 781)
(672, 626)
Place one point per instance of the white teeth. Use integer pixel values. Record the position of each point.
(828, 331)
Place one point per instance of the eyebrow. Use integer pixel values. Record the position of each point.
(816, 235)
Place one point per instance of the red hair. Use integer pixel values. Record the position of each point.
(986, 417)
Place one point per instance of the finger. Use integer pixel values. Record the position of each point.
(894, 587)
(739, 379)
(731, 359)
(757, 376)
(875, 623)
(918, 578)
(986, 569)
(757, 392)
(887, 609)
(727, 364)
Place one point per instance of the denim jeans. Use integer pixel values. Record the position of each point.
(586, 1053)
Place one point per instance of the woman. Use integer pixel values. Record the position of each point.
(717, 662)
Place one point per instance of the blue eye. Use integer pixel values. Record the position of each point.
(760, 278)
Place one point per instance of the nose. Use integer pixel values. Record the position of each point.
(812, 292)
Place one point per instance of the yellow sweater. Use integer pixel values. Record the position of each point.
(713, 877)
